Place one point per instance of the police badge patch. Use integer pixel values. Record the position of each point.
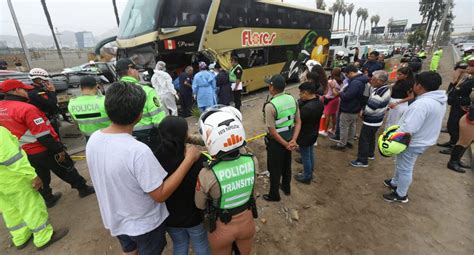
(157, 102)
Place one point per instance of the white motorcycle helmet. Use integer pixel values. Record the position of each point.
(340, 53)
(311, 63)
(222, 130)
(40, 73)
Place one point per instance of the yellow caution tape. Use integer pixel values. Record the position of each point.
(251, 139)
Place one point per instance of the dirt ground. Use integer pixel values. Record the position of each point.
(341, 212)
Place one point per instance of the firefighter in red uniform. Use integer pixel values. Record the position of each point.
(38, 138)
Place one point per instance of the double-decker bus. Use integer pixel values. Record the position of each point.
(268, 37)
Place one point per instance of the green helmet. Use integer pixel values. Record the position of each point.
(393, 142)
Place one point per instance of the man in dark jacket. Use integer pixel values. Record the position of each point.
(352, 101)
(372, 64)
(224, 86)
(311, 110)
(186, 90)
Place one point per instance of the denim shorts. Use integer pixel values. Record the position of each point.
(150, 243)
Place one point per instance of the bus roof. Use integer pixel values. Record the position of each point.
(279, 3)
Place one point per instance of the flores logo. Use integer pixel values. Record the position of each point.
(257, 38)
(233, 140)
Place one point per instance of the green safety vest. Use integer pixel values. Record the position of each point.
(236, 179)
(232, 76)
(285, 106)
(153, 113)
(89, 113)
(421, 54)
(466, 58)
(14, 164)
(438, 53)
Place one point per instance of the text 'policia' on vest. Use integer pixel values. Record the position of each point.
(89, 113)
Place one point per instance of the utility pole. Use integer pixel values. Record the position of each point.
(116, 12)
(50, 23)
(443, 22)
(20, 35)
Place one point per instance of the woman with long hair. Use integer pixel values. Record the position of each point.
(332, 102)
(402, 93)
(185, 220)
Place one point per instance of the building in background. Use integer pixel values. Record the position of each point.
(85, 39)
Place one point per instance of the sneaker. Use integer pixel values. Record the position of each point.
(394, 197)
(323, 133)
(388, 184)
(85, 191)
(51, 202)
(57, 235)
(446, 151)
(371, 158)
(357, 163)
(270, 199)
(337, 147)
(315, 144)
(300, 178)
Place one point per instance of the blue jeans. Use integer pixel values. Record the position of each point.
(307, 157)
(181, 237)
(404, 164)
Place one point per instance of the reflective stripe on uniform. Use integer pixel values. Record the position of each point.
(153, 113)
(283, 120)
(92, 121)
(12, 160)
(30, 138)
(238, 196)
(41, 227)
(283, 129)
(17, 227)
(236, 204)
(47, 132)
(140, 128)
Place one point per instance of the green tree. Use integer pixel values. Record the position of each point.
(359, 14)
(416, 38)
(321, 5)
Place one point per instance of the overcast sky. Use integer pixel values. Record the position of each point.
(98, 16)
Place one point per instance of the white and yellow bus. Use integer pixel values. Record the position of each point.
(268, 37)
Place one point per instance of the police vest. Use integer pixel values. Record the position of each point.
(13, 159)
(285, 106)
(438, 53)
(421, 54)
(232, 75)
(153, 113)
(89, 113)
(236, 180)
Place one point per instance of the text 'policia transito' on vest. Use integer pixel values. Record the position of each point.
(236, 179)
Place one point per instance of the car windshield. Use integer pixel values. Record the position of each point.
(139, 17)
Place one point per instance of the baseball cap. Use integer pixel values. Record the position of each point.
(277, 81)
(8, 85)
(124, 64)
(88, 81)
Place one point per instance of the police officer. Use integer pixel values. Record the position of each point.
(437, 55)
(39, 140)
(88, 110)
(235, 76)
(22, 207)
(282, 119)
(225, 187)
(146, 130)
(421, 54)
(43, 95)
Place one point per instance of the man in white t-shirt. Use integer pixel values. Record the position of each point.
(131, 187)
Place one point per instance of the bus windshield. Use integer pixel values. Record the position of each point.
(138, 18)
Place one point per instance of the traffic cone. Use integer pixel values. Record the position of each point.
(393, 74)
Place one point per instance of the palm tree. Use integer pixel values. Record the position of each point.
(344, 11)
(349, 9)
(365, 15)
(376, 19)
(50, 23)
(359, 14)
(339, 6)
(333, 9)
(114, 2)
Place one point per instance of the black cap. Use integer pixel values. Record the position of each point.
(308, 86)
(277, 81)
(124, 64)
(88, 82)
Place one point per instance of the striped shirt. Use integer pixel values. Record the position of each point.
(374, 111)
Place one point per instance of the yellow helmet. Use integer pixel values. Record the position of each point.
(392, 142)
